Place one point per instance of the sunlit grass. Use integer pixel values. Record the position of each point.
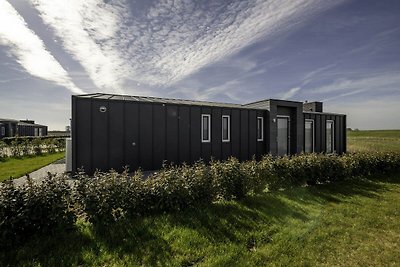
(17, 167)
(377, 140)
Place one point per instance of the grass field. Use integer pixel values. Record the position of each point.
(17, 167)
(382, 140)
(352, 224)
(343, 224)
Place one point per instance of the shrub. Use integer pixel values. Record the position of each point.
(227, 179)
(109, 197)
(34, 208)
(3, 148)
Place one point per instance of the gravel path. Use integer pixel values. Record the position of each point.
(57, 167)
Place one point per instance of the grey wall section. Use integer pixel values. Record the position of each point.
(295, 111)
(144, 135)
(320, 131)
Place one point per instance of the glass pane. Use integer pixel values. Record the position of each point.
(205, 128)
(308, 142)
(329, 137)
(283, 136)
(259, 128)
(225, 128)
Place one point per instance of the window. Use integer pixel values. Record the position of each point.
(40, 132)
(36, 132)
(3, 131)
(226, 128)
(205, 128)
(260, 129)
(309, 136)
(330, 136)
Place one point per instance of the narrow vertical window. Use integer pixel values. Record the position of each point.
(3, 131)
(260, 129)
(226, 131)
(36, 132)
(330, 136)
(309, 136)
(205, 128)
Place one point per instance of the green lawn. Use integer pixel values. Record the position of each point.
(377, 140)
(351, 224)
(17, 167)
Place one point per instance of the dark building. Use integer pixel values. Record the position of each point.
(10, 128)
(113, 131)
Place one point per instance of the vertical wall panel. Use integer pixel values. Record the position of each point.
(252, 133)
(344, 134)
(172, 134)
(100, 135)
(261, 144)
(146, 136)
(195, 134)
(226, 146)
(116, 134)
(216, 133)
(235, 133)
(244, 132)
(318, 141)
(159, 134)
(184, 134)
(131, 135)
(323, 132)
(206, 147)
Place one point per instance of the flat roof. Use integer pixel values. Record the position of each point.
(30, 124)
(152, 99)
(161, 100)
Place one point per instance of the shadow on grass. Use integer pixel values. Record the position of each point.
(148, 240)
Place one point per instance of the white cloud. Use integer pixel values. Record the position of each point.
(345, 87)
(29, 50)
(170, 40)
(290, 93)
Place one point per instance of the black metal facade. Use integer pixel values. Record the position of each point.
(11, 128)
(110, 132)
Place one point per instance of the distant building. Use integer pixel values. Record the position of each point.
(10, 128)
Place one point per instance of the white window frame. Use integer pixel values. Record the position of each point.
(333, 136)
(262, 129)
(229, 128)
(313, 134)
(209, 128)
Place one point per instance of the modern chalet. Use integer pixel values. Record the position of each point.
(11, 128)
(113, 131)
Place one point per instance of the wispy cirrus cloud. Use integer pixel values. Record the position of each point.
(168, 41)
(29, 50)
(372, 82)
(290, 93)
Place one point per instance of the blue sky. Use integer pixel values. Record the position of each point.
(343, 52)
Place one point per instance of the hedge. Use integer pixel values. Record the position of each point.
(108, 197)
(25, 146)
